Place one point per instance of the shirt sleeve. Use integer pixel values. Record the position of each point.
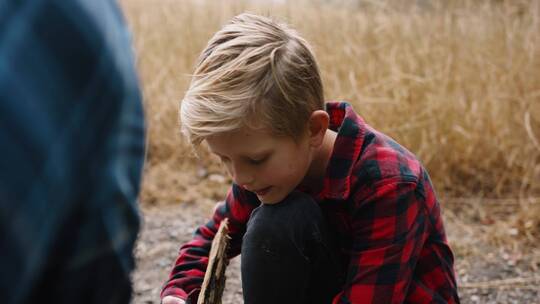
(390, 228)
(187, 274)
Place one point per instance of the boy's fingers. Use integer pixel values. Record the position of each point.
(172, 300)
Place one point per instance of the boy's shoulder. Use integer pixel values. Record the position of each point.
(383, 158)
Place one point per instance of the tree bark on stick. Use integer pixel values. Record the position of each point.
(214, 278)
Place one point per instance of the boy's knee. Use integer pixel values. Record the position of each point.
(289, 221)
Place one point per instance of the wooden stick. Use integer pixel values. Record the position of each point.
(214, 278)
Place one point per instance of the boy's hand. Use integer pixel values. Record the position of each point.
(172, 300)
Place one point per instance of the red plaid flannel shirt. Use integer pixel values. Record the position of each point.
(379, 199)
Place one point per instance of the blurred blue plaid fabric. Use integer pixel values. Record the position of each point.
(72, 147)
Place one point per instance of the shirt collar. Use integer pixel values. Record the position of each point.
(350, 128)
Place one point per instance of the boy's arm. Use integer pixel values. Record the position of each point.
(187, 275)
(390, 227)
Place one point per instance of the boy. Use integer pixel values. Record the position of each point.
(324, 208)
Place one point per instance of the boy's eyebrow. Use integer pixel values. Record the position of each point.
(259, 154)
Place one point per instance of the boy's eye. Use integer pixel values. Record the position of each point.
(258, 161)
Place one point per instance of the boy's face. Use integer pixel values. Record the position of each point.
(269, 166)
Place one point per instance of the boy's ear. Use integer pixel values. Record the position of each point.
(318, 124)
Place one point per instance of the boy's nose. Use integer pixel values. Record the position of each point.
(243, 180)
(242, 177)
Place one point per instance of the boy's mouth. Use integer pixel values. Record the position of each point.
(263, 191)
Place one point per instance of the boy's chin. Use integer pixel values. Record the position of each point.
(268, 201)
(271, 200)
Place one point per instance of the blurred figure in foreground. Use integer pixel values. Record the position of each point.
(72, 142)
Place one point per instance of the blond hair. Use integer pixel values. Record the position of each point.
(253, 73)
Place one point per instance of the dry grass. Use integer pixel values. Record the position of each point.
(458, 85)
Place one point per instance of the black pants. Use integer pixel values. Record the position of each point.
(287, 255)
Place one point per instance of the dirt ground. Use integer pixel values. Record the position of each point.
(487, 272)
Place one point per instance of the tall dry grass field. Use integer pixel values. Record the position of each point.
(458, 84)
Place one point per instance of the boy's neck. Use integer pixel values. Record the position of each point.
(314, 179)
